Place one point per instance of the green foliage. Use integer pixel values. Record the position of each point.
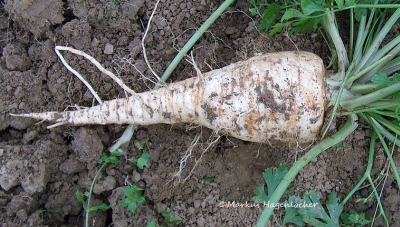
(134, 195)
(143, 146)
(307, 209)
(316, 215)
(206, 180)
(352, 218)
(313, 213)
(272, 177)
(381, 80)
(113, 158)
(151, 224)
(292, 214)
(105, 159)
(301, 16)
(80, 198)
(42, 211)
(169, 218)
(144, 159)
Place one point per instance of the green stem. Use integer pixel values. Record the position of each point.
(367, 171)
(360, 40)
(378, 200)
(193, 40)
(339, 136)
(386, 49)
(374, 6)
(351, 44)
(387, 134)
(388, 58)
(366, 110)
(372, 67)
(328, 22)
(351, 104)
(337, 101)
(385, 122)
(329, 25)
(362, 88)
(91, 192)
(377, 41)
(392, 66)
(388, 154)
(386, 104)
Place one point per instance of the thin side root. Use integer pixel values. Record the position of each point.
(188, 154)
(144, 38)
(96, 63)
(45, 116)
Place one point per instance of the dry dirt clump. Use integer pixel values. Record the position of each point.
(36, 16)
(41, 169)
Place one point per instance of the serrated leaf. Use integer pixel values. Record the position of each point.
(315, 215)
(143, 160)
(396, 78)
(253, 11)
(143, 146)
(260, 195)
(104, 158)
(311, 6)
(123, 203)
(352, 218)
(132, 207)
(102, 207)
(206, 180)
(269, 16)
(292, 13)
(173, 221)
(272, 178)
(381, 80)
(79, 196)
(113, 159)
(292, 214)
(129, 191)
(277, 28)
(165, 213)
(340, 3)
(334, 207)
(360, 12)
(140, 199)
(350, 3)
(117, 152)
(151, 224)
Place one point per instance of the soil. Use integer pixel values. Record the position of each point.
(41, 169)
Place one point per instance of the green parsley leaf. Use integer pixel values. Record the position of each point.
(272, 178)
(292, 214)
(352, 218)
(143, 160)
(316, 215)
(102, 207)
(381, 80)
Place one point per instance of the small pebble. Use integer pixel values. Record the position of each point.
(197, 203)
(201, 222)
(109, 49)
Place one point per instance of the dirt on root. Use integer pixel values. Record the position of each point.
(41, 169)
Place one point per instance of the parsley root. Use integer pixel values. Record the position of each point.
(277, 97)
